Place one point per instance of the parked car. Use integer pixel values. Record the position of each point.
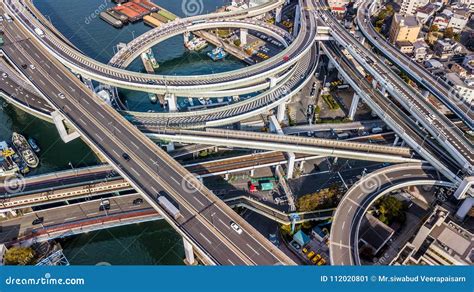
(138, 201)
(38, 220)
(104, 205)
(316, 258)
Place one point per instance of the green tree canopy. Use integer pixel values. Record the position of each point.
(19, 256)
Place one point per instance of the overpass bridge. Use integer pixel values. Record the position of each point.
(149, 169)
(63, 221)
(87, 181)
(441, 128)
(395, 118)
(296, 144)
(344, 236)
(208, 85)
(262, 103)
(437, 86)
(314, 146)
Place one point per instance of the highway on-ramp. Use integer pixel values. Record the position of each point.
(350, 211)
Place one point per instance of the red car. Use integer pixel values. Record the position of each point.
(286, 58)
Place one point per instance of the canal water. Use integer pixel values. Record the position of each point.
(145, 243)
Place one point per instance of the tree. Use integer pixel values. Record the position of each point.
(19, 256)
(390, 209)
(449, 33)
(434, 28)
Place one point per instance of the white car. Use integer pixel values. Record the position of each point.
(236, 227)
(4, 75)
(32, 67)
(61, 95)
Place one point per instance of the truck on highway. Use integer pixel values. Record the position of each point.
(169, 207)
(1, 39)
(377, 130)
(39, 32)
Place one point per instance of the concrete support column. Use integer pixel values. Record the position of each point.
(278, 12)
(281, 112)
(273, 82)
(243, 36)
(187, 37)
(170, 147)
(63, 133)
(403, 143)
(302, 163)
(353, 109)
(425, 93)
(465, 208)
(374, 83)
(384, 91)
(226, 176)
(330, 66)
(464, 187)
(396, 140)
(296, 25)
(188, 251)
(290, 167)
(172, 104)
(252, 172)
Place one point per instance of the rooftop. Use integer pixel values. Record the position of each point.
(408, 21)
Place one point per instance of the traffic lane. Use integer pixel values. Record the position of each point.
(119, 76)
(43, 81)
(454, 139)
(354, 209)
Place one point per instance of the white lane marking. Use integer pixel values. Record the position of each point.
(207, 239)
(252, 249)
(198, 201)
(136, 146)
(153, 188)
(230, 262)
(174, 180)
(223, 223)
(70, 218)
(92, 214)
(100, 138)
(343, 224)
(115, 152)
(136, 172)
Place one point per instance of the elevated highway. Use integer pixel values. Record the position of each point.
(442, 129)
(148, 168)
(341, 149)
(437, 86)
(84, 182)
(208, 85)
(274, 142)
(59, 222)
(259, 104)
(394, 117)
(344, 236)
